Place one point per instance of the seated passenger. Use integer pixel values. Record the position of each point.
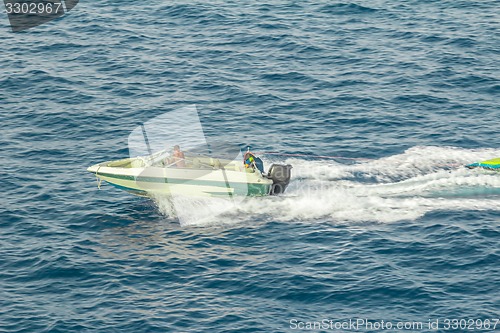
(179, 158)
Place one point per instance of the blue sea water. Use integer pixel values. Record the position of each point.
(405, 235)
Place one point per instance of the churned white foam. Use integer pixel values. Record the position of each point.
(355, 204)
(192, 211)
(400, 187)
(411, 163)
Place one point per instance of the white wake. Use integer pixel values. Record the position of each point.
(400, 187)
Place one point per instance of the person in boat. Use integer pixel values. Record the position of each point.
(177, 159)
(252, 161)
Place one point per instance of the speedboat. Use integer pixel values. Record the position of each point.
(493, 164)
(198, 176)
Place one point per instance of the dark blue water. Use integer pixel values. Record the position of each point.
(407, 235)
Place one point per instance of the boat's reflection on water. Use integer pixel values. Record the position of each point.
(159, 239)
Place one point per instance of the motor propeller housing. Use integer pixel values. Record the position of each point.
(280, 175)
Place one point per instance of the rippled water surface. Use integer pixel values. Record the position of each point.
(408, 90)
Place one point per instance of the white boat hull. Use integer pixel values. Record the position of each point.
(154, 180)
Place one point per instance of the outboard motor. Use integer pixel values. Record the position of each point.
(280, 175)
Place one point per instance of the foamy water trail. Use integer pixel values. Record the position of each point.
(400, 187)
(413, 162)
(197, 210)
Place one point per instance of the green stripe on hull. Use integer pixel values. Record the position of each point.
(246, 189)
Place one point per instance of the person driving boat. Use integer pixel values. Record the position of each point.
(252, 161)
